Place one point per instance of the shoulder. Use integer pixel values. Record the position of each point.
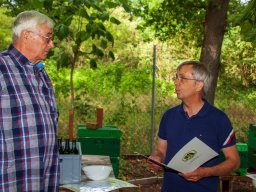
(173, 110)
(4, 61)
(4, 57)
(5, 53)
(218, 118)
(218, 112)
(171, 113)
(215, 111)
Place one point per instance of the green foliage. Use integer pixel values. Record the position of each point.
(246, 19)
(5, 30)
(62, 31)
(169, 17)
(238, 60)
(60, 79)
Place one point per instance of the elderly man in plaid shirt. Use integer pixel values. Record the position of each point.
(28, 113)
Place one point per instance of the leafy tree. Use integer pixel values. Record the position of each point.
(201, 21)
(238, 59)
(78, 23)
(246, 19)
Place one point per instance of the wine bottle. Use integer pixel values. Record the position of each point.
(67, 147)
(74, 147)
(61, 150)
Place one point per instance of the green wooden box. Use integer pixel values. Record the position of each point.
(252, 128)
(243, 153)
(252, 161)
(108, 131)
(251, 157)
(100, 146)
(101, 141)
(252, 136)
(115, 164)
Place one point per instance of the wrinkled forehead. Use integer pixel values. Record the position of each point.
(185, 69)
(45, 29)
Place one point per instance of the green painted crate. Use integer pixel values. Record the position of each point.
(251, 157)
(252, 139)
(251, 150)
(243, 153)
(252, 136)
(252, 162)
(252, 128)
(108, 131)
(115, 164)
(100, 146)
(101, 141)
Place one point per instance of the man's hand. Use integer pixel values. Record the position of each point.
(195, 175)
(158, 155)
(154, 166)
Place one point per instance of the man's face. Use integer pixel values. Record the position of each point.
(185, 84)
(41, 41)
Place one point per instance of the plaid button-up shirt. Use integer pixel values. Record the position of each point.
(29, 158)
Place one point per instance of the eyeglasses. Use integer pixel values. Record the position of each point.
(47, 39)
(183, 79)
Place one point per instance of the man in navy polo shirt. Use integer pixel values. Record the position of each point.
(195, 117)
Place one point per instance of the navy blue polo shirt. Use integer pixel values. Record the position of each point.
(210, 125)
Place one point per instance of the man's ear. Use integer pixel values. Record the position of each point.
(199, 85)
(25, 34)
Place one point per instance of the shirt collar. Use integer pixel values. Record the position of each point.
(203, 111)
(19, 56)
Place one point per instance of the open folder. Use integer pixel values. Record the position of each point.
(189, 157)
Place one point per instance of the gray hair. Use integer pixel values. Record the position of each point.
(29, 20)
(199, 72)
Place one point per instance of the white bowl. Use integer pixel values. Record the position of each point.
(97, 172)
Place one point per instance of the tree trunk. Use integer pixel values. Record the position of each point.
(72, 92)
(215, 25)
(71, 110)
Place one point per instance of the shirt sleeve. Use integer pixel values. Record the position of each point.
(227, 134)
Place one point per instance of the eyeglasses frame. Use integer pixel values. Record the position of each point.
(183, 78)
(48, 39)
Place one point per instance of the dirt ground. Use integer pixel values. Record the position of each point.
(137, 169)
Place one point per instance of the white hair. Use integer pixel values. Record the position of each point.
(29, 20)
